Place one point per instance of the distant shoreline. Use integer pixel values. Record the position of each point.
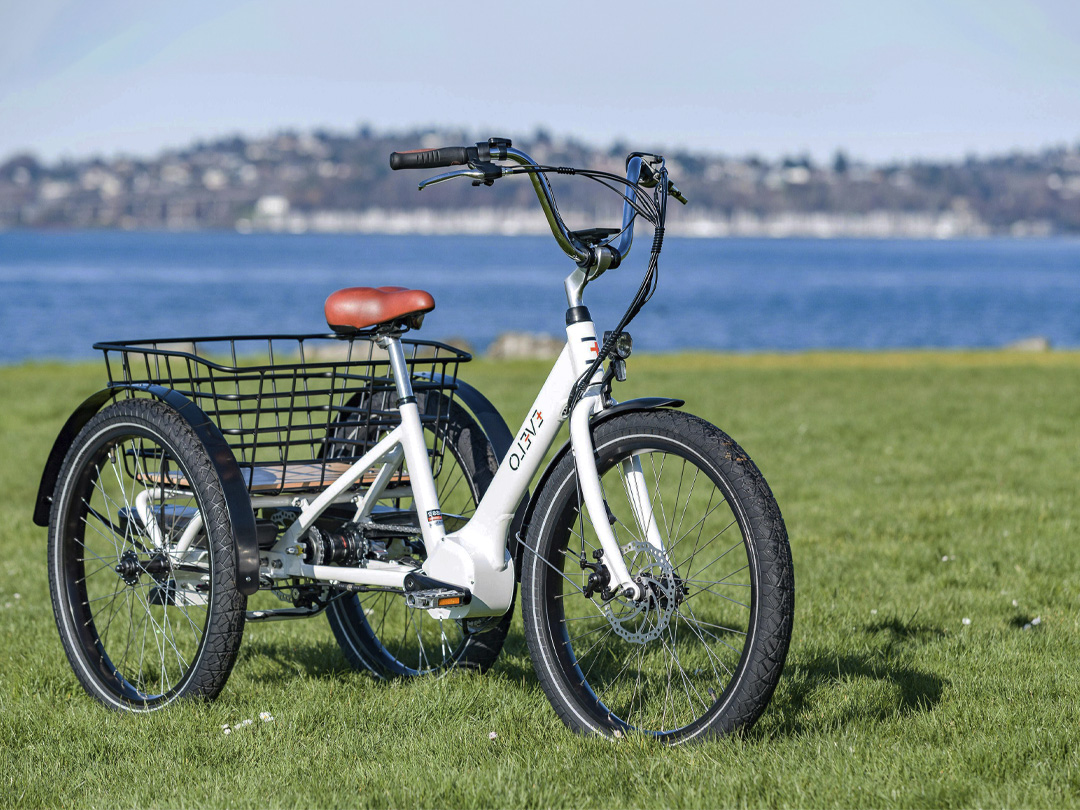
(527, 222)
(522, 222)
(776, 233)
(327, 182)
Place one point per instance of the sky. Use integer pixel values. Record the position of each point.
(883, 80)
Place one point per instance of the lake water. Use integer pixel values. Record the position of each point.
(61, 292)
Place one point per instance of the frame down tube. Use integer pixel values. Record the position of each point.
(479, 549)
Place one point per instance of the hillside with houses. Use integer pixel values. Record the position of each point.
(322, 181)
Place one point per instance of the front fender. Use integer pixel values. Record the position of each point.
(642, 404)
(228, 471)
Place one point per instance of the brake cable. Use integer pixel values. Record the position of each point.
(601, 177)
(652, 208)
(644, 294)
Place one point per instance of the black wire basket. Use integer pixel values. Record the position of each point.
(297, 410)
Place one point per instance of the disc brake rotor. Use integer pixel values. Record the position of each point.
(643, 620)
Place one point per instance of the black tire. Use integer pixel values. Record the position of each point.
(143, 628)
(377, 632)
(702, 655)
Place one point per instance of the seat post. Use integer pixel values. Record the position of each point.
(402, 379)
(414, 443)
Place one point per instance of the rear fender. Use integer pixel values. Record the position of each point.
(83, 414)
(237, 500)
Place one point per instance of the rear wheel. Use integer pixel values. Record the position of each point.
(701, 652)
(142, 623)
(376, 630)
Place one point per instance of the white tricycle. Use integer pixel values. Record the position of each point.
(354, 474)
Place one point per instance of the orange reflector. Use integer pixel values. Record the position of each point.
(449, 600)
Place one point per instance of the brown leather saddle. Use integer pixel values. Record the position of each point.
(356, 308)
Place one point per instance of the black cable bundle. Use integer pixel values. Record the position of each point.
(656, 213)
(651, 208)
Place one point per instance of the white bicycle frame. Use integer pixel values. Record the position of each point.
(476, 557)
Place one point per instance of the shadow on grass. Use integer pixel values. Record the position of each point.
(514, 663)
(324, 659)
(315, 659)
(897, 629)
(1023, 622)
(818, 691)
(825, 691)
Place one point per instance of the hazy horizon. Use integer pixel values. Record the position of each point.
(854, 157)
(887, 81)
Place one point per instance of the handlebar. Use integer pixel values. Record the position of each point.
(571, 246)
(479, 159)
(633, 174)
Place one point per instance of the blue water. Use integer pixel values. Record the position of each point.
(61, 292)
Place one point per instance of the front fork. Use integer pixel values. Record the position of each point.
(592, 492)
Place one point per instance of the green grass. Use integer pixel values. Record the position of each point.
(882, 464)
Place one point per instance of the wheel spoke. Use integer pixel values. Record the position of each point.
(714, 593)
(698, 631)
(659, 664)
(688, 562)
(553, 567)
(142, 614)
(686, 503)
(381, 633)
(112, 607)
(700, 523)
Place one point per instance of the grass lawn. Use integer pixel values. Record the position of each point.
(920, 490)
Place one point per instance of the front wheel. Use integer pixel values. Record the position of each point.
(700, 653)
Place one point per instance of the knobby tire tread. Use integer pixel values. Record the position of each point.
(224, 630)
(776, 592)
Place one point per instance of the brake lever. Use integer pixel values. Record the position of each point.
(486, 173)
(442, 178)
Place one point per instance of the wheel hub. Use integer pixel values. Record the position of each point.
(645, 619)
(130, 567)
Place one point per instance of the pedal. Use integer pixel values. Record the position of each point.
(437, 598)
(426, 593)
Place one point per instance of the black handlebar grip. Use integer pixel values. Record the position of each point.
(432, 158)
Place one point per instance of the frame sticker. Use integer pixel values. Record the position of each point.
(524, 442)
